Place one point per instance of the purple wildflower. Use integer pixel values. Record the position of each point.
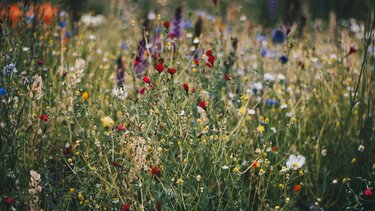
(177, 24)
(120, 72)
(140, 67)
(272, 5)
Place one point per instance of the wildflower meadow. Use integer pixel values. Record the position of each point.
(185, 105)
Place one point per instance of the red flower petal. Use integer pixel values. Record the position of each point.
(202, 104)
(172, 71)
(159, 67)
(146, 79)
(209, 53)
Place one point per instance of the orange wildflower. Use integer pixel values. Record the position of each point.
(15, 14)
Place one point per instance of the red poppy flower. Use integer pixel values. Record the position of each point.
(227, 77)
(301, 64)
(47, 13)
(15, 14)
(171, 35)
(159, 206)
(297, 188)
(196, 61)
(352, 50)
(141, 91)
(192, 90)
(211, 59)
(186, 87)
(9, 200)
(208, 64)
(368, 192)
(40, 62)
(44, 117)
(159, 67)
(274, 149)
(202, 104)
(125, 207)
(68, 149)
(172, 71)
(116, 164)
(136, 61)
(155, 171)
(146, 79)
(166, 24)
(121, 127)
(209, 53)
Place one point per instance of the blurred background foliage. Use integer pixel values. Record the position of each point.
(256, 10)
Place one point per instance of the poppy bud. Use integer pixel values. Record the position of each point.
(227, 77)
(186, 87)
(166, 24)
(116, 164)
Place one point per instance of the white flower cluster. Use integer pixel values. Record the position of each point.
(37, 88)
(93, 21)
(76, 73)
(34, 190)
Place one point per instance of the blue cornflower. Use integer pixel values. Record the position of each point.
(263, 52)
(68, 34)
(9, 69)
(62, 24)
(3, 91)
(278, 36)
(272, 102)
(283, 59)
(187, 24)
